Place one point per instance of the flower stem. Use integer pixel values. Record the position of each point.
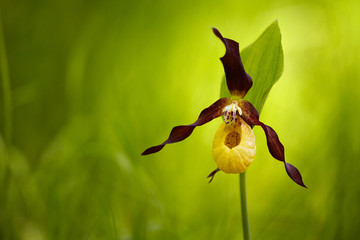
(5, 86)
(244, 210)
(5, 142)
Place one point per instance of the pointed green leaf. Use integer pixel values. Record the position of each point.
(263, 61)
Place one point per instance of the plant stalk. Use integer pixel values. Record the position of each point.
(244, 210)
(5, 140)
(4, 70)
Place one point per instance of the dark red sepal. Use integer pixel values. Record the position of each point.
(237, 80)
(179, 133)
(212, 174)
(276, 149)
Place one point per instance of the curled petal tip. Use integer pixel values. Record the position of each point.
(216, 32)
(294, 174)
(152, 150)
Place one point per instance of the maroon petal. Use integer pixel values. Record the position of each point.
(249, 113)
(276, 149)
(179, 133)
(275, 146)
(237, 80)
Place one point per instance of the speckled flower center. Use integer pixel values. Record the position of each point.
(231, 112)
(232, 139)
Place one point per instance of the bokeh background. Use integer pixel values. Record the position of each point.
(86, 86)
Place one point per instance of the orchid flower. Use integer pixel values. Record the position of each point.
(234, 143)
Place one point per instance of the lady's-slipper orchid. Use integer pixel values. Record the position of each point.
(234, 143)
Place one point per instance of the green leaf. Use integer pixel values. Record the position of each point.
(224, 92)
(263, 61)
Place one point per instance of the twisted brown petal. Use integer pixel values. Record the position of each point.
(179, 133)
(237, 80)
(276, 149)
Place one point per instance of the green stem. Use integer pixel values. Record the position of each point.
(4, 69)
(6, 92)
(244, 210)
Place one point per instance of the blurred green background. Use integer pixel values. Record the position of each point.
(94, 83)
